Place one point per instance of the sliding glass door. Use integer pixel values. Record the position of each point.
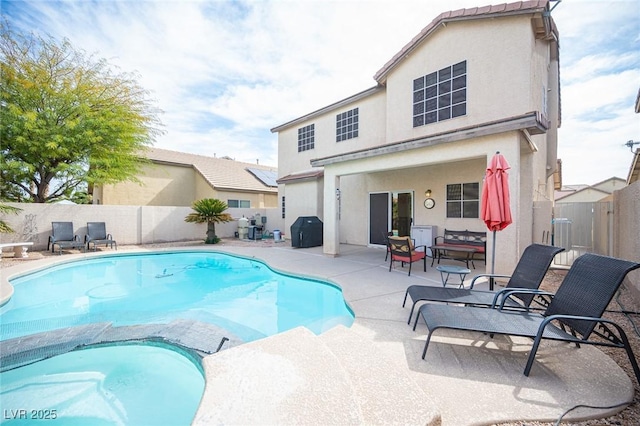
(389, 211)
(379, 211)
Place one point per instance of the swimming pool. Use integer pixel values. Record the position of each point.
(127, 384)
(116, 385)
(243, 296)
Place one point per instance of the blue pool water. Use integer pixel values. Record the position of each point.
(241, 295)
(140, 384)
(115, 385)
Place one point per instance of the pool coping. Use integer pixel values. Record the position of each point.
(196, 338)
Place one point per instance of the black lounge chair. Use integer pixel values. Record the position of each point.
(528, 274)
(97, 234)
(575, 310)
(62, 235)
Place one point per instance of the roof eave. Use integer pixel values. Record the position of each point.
(533, 122)
(540, 6)
(302, 177)
(246, 190)
(333, 106)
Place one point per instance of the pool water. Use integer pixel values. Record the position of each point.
(139, 384)
(115, 385)
(243, 296)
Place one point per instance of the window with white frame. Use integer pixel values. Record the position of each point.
(440, 95)
(244, 204)
(347, 125)
(463, 200)
(306, 137)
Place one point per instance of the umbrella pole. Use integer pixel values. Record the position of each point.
(493, 260)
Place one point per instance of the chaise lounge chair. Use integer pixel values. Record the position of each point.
(578, 306)
(97, 234)
(528, 274)
(62, 235)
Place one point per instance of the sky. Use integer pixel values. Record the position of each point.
(226, 72)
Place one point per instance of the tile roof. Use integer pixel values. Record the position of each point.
(302, 176)
(559, 195)
(221, 173)
(492, 11)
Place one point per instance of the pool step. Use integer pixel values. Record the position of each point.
(297, 378)
(386, 395)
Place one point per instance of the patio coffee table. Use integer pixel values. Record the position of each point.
(451, 269)
(464, 254)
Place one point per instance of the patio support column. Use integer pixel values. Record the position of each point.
(332, 195)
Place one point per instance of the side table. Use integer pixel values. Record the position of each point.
(451, 269)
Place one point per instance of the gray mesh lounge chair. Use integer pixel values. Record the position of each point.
(575, 310)
(97, 234)
(62, 235)
(528, 274)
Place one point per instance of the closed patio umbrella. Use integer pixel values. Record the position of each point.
(495, 209)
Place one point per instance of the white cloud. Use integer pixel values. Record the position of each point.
(225, 72)
(600, 72)
(593, 65)
(614, 93)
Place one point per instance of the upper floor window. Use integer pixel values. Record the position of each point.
(463, 200)
(440, 95)
(347, 125)
(245, 204)
(306, 137)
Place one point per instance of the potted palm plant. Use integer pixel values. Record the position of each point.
(209, 211)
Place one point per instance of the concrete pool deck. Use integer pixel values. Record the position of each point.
(372, 372)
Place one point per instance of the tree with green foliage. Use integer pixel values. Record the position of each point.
(209, 211)
(69, 121)
(4, 226)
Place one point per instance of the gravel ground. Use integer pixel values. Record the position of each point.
(630, 416)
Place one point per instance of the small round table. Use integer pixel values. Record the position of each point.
(451, 269)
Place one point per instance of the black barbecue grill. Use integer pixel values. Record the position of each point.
(306, 231)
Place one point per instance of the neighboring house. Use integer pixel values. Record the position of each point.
(473, 82)
(600, 191)
(178, 179)
(565, 190)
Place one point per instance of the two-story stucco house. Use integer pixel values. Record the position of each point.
(472, 82)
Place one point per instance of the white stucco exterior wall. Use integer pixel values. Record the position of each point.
(510, 74)
(499, 60)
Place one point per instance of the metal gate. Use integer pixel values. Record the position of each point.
(582, 228)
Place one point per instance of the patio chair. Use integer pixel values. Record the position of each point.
(62, 235)
(386, 236)
(97, 234)
(575, 310)
(528, 274)
(402, 250)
